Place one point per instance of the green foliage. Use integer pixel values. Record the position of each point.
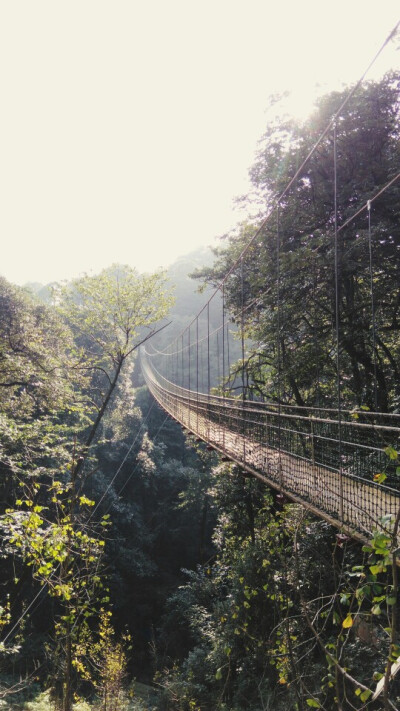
(108, 311)
(284, 612)
(279, 613)
(367, 156)
(38, 372)
(232, 606)
(58, 373)
(102, 662)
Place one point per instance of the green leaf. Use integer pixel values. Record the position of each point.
(313, 703)
(381, 540)
(376, 569)
(218, 674)
(377, 676)
(378, 598)
(380, 478)
(396, 650)
(84, 500)
(391, 453)
(365, 695)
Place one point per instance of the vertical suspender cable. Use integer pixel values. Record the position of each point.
(208, 369)
(201, 366)
(178, 380)
(337, 324)
(224, 406)
(228, 353)
(223, 339)
(176, 362)
(243, 369)
(197, 371)
(371, 278)
(242, 326)
(218, 358)
(172, 363)
(278, 342)
(182, 364)
(218, 381)
(189, 354)
(208, 350)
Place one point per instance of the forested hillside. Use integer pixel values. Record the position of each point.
(139, 569)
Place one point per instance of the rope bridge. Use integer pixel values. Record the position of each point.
(295, 451)
(316, 291)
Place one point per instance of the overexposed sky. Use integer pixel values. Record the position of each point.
(128, 127)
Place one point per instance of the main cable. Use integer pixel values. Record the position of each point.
(278, 198)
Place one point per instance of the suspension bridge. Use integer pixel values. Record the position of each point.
(294, 451)
(328, 298)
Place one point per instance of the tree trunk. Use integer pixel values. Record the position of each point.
(67, 695)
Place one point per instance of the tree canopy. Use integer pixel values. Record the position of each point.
(289, 271)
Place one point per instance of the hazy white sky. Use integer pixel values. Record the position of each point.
(128, 127)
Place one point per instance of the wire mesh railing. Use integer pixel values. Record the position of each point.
(297, 451)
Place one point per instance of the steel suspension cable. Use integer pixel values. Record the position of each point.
(276, 200)
(208, 365)
(278, 342)
(208, 349)
(223, 356)
(371, 282)
(123, 461)
(371, 200)
(197, 370)
(182, 370)
(258, 299)
(189, 355)
(218, 359)
(242, 327)
(125, 484)
(337, 319)
(223, 339)
(242, 346)
(228, 352)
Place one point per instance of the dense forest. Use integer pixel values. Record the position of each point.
(139, 569)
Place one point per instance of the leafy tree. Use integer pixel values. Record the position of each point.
(37, 374)
(40, 413)
(102, 661)
(288, 614)
(301, 330)
(156, 499)
(109, 316)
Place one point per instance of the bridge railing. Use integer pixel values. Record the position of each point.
(323, 460)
